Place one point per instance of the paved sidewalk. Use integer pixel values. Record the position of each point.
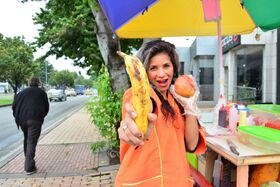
(63, 158)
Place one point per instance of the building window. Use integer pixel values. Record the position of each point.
(206, 76)
(249, 68)
(206, 80)
(181, 69)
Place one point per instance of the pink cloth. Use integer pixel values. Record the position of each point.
(211, 9)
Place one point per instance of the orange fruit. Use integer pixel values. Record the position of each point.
(184, 86)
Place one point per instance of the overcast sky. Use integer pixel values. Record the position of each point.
(16, 20)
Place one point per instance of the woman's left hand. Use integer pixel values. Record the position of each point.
(188, 103)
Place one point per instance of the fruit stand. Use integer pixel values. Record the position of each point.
(249, 155)
(251, 145)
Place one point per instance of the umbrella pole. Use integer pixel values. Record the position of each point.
(221, 100)
(221, 66)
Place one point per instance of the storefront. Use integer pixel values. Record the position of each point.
(250, 63)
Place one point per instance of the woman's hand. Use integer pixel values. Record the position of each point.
(128, 130)
(189, 104)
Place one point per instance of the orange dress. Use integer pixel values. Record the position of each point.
(161, 161)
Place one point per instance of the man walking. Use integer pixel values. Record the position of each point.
(30, 107)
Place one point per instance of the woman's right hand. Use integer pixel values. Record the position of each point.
(129, 131)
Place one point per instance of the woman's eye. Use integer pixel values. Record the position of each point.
(166, 65)
(153, 68)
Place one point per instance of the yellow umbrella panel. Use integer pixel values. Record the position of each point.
(186, 18)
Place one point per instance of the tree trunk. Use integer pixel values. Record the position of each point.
(109, 44)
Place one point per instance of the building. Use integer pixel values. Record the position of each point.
(204, 66)
(4, 87)
(251, 63)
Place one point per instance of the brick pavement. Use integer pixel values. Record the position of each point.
(63, 158)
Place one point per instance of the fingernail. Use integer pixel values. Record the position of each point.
(134, 114)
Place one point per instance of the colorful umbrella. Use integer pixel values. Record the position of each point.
(118, 12)
(173, 18)
(160, 18)
(265, 13)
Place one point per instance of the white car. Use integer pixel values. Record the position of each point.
(71, 92)
(57, 95)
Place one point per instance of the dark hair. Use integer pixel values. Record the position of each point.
(152, 48)
(146, 53)
(34, 81)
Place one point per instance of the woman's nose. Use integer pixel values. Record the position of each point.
(161, 72)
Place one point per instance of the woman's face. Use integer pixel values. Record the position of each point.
(160, 72)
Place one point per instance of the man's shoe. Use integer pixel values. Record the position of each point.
(31, 172)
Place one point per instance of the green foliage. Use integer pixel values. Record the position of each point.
(79, 79)
(68, 27)
(105, 109)
(62, 79)
(88, 83)
(16, 64)
(45, 69)
(127, 45)
(98, 146)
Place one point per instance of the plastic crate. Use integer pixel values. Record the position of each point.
(260, 136)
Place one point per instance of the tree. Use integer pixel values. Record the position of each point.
(67, 26)
(46, 70)
(62, 79)
(16, 61)
(79, 79)
(76, 30)
(88, 83)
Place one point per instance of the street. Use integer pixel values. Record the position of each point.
(11, 138)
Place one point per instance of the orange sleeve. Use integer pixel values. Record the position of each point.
(201, 148)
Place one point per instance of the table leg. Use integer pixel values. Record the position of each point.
(242, 176)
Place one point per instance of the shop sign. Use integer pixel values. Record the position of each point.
(229, 42)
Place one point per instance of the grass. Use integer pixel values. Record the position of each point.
(6, 99)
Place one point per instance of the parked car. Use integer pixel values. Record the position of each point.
(57, 95)
(71, 92)
(88, 92)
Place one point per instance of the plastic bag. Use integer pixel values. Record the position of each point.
(189, 104)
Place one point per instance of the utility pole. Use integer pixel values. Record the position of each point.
(46, 72)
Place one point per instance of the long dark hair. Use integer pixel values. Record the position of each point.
(146, 53)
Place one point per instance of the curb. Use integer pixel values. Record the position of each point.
(6, 105)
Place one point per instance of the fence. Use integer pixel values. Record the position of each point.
(241, 94)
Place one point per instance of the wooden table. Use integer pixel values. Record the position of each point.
(249, 155)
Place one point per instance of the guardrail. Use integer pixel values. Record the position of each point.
(241, 94)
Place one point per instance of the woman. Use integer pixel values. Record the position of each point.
(158, 158)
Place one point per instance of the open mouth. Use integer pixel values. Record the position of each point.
(162, 83)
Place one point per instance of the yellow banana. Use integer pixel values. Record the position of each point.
(140, 89)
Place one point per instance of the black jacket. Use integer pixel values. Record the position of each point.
(30, 104)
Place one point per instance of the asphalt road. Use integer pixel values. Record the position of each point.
(11, 138)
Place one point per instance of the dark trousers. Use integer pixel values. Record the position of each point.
(31, 131)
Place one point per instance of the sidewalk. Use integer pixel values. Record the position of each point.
(64, 158)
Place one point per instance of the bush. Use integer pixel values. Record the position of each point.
(105, 109)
